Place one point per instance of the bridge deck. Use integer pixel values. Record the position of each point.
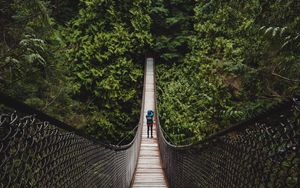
(149, 172)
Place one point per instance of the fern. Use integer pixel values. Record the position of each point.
(282, 34)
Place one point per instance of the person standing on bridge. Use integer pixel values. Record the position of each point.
(149, 117)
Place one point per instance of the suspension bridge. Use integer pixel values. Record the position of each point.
(37, 150)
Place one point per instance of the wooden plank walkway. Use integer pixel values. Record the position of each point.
(149, 172)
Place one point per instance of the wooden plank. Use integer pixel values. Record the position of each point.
(149, 172)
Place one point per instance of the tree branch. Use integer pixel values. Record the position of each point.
(285, 78)
(48, 104)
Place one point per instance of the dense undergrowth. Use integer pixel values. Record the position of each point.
(240, 57)
(81, 61)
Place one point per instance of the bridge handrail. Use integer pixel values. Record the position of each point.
(276, 108)
(37, 150)
(262, 151)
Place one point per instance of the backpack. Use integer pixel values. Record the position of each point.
(149, 119)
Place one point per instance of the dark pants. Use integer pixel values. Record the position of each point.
(150, 127)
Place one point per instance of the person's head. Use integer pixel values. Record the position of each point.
(149, 112)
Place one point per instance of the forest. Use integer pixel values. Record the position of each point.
(217, 62)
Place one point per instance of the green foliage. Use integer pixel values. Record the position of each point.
(78, 61)
(236, 64)
(172, 28)
(32, 67)
(107, 42)
(81, 60)
(64, 11)
(193, 104)
(26, 53)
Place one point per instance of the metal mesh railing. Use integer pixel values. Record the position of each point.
(260, 152)
(40, 151)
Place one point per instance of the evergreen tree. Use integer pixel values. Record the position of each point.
(106, 46)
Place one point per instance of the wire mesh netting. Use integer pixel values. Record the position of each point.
(259, 152)
(36, 153)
